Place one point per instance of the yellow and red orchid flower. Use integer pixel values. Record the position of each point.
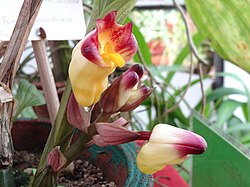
(94, 58)
(168, 145)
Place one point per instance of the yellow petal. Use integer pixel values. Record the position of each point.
(108, 48)
(154, 157)
(113, 59)
(88, 80)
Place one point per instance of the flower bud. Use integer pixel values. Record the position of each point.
(118, 92)
(136, 97)
(76, 115)
(168, 145)
(114, 133)
(123, 94)
(56, 159)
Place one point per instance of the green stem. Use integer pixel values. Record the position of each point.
(57, 133)
(79, 146)
(81, 143)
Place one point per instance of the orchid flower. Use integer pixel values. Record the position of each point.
(168, 145)
(95, 57)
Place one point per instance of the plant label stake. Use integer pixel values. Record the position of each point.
(46, 75)
(6, 146)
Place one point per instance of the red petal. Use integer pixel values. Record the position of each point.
(120, 37)
(118, 92)
(56, 159)
(114, 133)
(76, 115)
(90, 49)
(136, 98)
(107, 22)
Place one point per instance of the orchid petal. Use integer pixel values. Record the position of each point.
(88, 80)
(76, 115)
(114, 133)
(120, 37)
(56, 159)
(118, 92)
(136, 97)
(168, 145)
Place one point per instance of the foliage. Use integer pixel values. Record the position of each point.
(226, 24)
(27, 95)
(165, 94)
(221, 109)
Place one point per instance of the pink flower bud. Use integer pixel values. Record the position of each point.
(56, 159)
(118, 92)
(76, 115)
(114, 133)
(168, 145)
(136, 98)
(138, 69)
(123, 94)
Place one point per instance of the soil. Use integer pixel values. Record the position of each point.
(79, 173)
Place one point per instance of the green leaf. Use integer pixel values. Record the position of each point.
(234, 120)
(96, 11)
(245, 111)
(226, 111)
(226, 24)
(142, 45)
(122, 7)
(177, 114)
(245, 139)
(239, 127)
(27, 95)
(221, 92)
(197, 39)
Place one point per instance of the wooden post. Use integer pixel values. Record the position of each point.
(6, 147)
(8, 68)
(46, 77)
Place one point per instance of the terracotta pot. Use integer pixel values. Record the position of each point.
(117, 162)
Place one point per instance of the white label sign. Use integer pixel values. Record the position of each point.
(60, 19)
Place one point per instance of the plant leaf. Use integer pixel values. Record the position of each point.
(27, 95)
(221, 92)
(226, 111)
(239, 127)
(96, 11)
(226, 24)
(245, 111)
(142, 44)
(122, 7)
